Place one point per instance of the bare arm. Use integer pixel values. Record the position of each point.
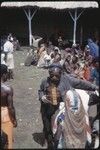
(11, 107)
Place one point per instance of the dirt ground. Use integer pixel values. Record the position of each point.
(26, 83)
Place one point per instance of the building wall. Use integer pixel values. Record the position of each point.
(46, 22)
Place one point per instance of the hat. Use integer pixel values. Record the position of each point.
(56, 48)
(55, 65)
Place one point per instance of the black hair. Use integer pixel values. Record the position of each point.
(55, 65)
(3, 69)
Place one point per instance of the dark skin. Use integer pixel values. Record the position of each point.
(7, 99)
(54, 79)
(48, 110)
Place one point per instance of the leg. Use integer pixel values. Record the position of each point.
(47, 126)
(8, 129)
(10, 74)
(48, 132)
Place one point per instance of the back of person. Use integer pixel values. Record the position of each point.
(94, 48)
(8, 47)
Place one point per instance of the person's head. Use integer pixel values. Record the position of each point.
(57, 58)
(56, 50)
(90, 40)
(75, 59)
(68, 57)
(55, 71)
(60, 38)
(87, 51)
(4, 72)
(10, 39)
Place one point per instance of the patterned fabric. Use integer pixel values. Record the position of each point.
(57, 126)
(75, 122)
(70, 124)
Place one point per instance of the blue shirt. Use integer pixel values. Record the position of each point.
(95, 76)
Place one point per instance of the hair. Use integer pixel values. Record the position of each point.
(3, 69)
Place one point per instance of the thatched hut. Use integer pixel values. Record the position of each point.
(30, 8)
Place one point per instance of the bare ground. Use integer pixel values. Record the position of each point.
(26, 83)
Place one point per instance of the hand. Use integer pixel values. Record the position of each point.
(97, 88)
(44, 99)
(97, 92)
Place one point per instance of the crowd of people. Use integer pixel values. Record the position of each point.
(81, 62)
(70, 67)
(82, 65)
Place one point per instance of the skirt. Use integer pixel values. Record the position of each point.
(7, 126)
(10, 61)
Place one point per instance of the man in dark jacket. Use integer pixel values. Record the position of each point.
(51, 98)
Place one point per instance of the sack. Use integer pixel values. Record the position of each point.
(4, 114)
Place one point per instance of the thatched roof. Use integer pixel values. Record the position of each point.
(53, 4)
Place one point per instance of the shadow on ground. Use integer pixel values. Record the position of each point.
(39, 138)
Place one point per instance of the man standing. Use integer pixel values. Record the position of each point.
(52, 91)
(94, 48)
(8, 50)
(8, 116)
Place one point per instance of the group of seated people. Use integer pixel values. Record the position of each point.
(74, 60)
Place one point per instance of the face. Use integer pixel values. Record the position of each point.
(55, 75)
(75, 59)
(69, 58)
(56, 51)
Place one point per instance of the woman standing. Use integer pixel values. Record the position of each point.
(8, 50)
(8, 117)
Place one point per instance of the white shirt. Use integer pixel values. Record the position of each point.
(8, 47)
(2, 59)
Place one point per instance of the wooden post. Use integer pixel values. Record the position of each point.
(29, 17)
(30, 30)
(75, 18)
(75, 24)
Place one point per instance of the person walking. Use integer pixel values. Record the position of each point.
(8, 50)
